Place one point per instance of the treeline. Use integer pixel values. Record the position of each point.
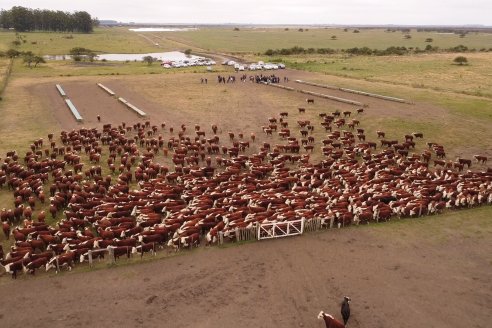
(365, 51)
(25, 19)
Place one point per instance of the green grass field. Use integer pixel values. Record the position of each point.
(103, 40)
(260, 39)
(434, 71)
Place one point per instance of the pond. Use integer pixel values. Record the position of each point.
(171, 56)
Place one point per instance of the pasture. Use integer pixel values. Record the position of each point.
(258, 40)
(394, 271)
(103, 40)
(429, 71)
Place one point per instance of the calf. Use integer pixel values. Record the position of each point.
(481, 159)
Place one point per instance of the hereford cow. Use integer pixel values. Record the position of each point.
(62, 260)
(35, 264)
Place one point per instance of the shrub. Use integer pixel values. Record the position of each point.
(461, 60)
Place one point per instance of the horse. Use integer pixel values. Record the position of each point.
(330, 321)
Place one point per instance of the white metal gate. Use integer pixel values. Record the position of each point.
(280, 229)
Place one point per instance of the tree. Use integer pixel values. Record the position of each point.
(38, 60)
(78, 53)
(12, 53)
(461, 60)
(26, 19)
(333, 37)
(187, 52)
(429, 40)
(407, 36)
(236, 29)
(28, 58)
(22, 19)
(148, 59)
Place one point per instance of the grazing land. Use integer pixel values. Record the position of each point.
(433, 270)
(433, 71)
(254, 40)
(103, 40)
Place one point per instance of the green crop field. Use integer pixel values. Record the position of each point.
(255, 40)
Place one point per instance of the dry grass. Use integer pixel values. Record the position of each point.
(430, 71)
(103, 40)
(254, 40)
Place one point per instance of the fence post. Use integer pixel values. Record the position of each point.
(332, 220)
(237, 234)
(221, 237)
(111, 256)
(302, 225)
(57, 265)
(90, 258)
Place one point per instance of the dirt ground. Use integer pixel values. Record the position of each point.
(245, 107)
(395, 279)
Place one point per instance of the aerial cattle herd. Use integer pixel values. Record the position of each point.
(115, 192)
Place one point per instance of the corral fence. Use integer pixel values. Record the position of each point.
(276, 230)
(343, 100)
(280, 229)
(104, 251)
(279, 86)
(312, 225)
(358, 92)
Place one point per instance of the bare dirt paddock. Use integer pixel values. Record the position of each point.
(414, 274)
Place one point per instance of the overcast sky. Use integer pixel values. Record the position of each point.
(409, 12)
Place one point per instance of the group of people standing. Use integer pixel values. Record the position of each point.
(252, 78)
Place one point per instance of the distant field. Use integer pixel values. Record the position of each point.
(70, 68)
(103, 40)
(260, 39)
(435, 71)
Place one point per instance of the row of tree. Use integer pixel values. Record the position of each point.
(25, 19)
(365, 51)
